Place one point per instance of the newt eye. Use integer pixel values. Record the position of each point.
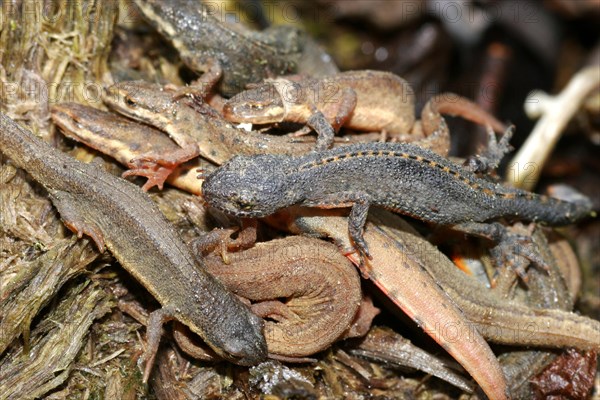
(130, 102)
(244, 205)
(256, 106)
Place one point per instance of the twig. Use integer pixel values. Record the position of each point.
(556, 112)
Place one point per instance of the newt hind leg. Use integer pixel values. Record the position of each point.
(157, 167)
(513, 247)
(356, 224)
(153, 334)
(73, 213)
(490, 158)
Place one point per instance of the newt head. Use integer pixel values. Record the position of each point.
(249, 186)
(244, 342)
(143, 101)
(261, 105)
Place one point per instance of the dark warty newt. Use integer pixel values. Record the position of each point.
(117, 215)
(402, 177)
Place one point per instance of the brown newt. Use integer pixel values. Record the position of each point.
(402, 278)
(119, 216)
(360, 100)
(309, 293)
(195, 126)
(498, 319)
(545, 323)
(242, 56)
(124, 140)
(307, 289)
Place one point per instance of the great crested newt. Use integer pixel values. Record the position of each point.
(398, 176)
(117, 215)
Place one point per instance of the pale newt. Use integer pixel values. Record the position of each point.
(119, 216)
(545, 289)
(362, 100)
(498, 319)
(124, 140)
(195, 126)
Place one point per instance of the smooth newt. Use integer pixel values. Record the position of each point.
(124, 140)
(242, 56)
(498, 319)
(402, 177)
(119, 216)
(196, 127)
(362, 100)
(307, 289)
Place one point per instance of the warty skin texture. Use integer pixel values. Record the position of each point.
(402, 177)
